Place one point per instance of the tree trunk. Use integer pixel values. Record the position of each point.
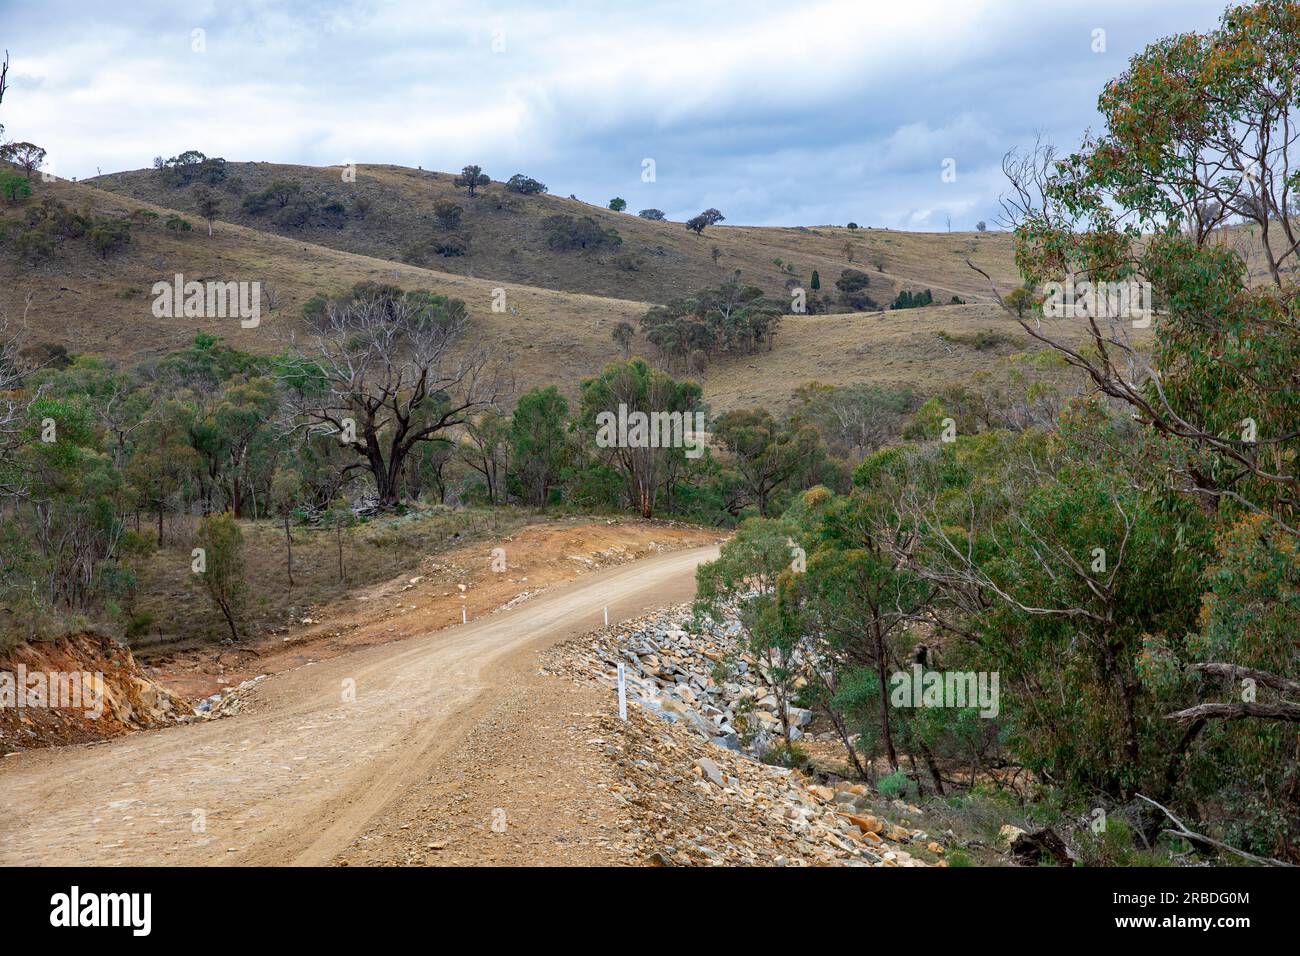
(230, 620)
(882, 677)
(338, 530)
(288, 544)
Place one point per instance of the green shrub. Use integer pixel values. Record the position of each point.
(14, 187)
(519, 183)
(567, 233)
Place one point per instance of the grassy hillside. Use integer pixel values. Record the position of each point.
(506, 237)
(92, 304)
(548, 336)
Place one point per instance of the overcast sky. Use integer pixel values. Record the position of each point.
(777, 113)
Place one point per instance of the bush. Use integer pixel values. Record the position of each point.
(33, 245)
(295, 215)
(519, 183)
(14, 187)
(853, 225)
(257, 203)
(447, 213)
(191, 166)
(894, 785)
(852, 283)
(177, 224)
(567, 233)
(109, 235)
(655, 215)
(334, 214)
(617, 204)
(451, 246)
(790, 756)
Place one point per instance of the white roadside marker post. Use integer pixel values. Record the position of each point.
(607, 617)
(622, 693)
(464, 617)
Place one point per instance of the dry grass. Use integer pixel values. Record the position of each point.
(507, 240)
(179, 613)
(546, 336)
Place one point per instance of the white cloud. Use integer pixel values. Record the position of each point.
(774, 112)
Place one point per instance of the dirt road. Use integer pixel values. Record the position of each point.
(329, 750)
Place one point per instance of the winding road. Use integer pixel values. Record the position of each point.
(319, 752)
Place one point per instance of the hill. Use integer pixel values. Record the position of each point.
(389, 211)
(89, 303)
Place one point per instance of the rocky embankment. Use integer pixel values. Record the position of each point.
(686, 758)
(78, 689)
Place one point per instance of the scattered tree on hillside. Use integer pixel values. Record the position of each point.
(208, 205)
(709, 217)
(13, 186)
(471, 178)
(1020, 300)
(655, 215)
(567, 233)
(519, 183)
(853, 284)
(485, 447)
(107, 235)
(912, 300)
(624, 335)
(731, 318)
(191, 166)
(284, 191)
(617, 204)
(26, 156)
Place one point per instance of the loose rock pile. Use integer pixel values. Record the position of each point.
(697, 798)
(705, 680)
(226, 703)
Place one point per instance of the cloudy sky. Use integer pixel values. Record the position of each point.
(777, 113)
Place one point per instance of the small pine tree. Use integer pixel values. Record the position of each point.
(816, 281)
